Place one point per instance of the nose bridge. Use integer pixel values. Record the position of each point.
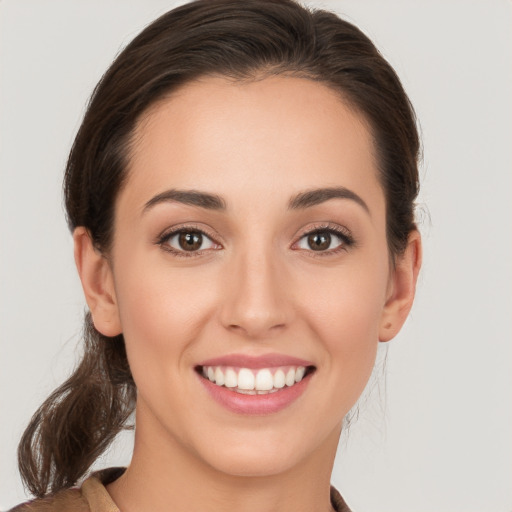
(254, 302)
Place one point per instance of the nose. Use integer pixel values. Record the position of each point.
(255, 302)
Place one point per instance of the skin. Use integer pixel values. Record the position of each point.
(258, 288)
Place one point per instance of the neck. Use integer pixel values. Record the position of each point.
(165, 476)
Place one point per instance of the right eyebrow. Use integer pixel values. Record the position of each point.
(188, 197)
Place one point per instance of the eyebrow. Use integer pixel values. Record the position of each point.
(318, 196)
(188, 197)
(301, 201)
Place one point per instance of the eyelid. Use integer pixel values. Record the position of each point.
(341, 231)
(338, 230)
(168, 233)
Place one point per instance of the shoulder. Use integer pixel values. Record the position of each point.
(92, 496)
(69, 500)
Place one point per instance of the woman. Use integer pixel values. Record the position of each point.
(241, 196)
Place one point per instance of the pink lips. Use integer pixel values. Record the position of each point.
(255, 362)
(255, 404)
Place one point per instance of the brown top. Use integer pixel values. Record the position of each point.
(92, 496)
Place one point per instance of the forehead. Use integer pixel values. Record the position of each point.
(278, 135)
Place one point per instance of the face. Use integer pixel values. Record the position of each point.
(249, 252)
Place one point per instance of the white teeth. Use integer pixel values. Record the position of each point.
(245, 379)
(290, 377)
(231, 379)
(279, 379)
(252, 382)
(264, 380)
(219, 377)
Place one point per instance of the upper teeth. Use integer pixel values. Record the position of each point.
(246, 380)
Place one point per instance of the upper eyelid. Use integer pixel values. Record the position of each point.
(215, 237)
(163, 241)
(327, 226)
(174, 230)
(341, 232)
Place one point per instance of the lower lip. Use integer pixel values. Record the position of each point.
(255, 404)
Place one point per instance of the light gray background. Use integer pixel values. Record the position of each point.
(438, 435)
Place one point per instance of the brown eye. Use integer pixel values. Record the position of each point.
(319, 241)
(326, 240)
(190, 240)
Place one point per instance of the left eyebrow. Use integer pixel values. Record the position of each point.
(317, 196)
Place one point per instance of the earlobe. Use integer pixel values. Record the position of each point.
(402, 288)
(97, 282)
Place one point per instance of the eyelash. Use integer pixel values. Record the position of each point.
(346, 239)
(164, 238)
(343, 234)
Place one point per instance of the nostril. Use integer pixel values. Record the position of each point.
(255, 329)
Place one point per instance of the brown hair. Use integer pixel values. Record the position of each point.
(241, 40)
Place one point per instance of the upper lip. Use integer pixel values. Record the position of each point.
(254, 362)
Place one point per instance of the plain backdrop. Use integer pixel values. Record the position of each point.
(436, 434)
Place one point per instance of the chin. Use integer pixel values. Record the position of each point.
(253, 463)
(267, 451)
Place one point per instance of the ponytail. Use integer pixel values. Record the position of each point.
(80, 419)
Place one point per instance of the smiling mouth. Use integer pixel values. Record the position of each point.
(248, 381)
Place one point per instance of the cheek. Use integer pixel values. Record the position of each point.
(344, 312)
(346, 304)
(162, 310)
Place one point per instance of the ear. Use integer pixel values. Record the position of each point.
(401, 288)
(98, 284)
